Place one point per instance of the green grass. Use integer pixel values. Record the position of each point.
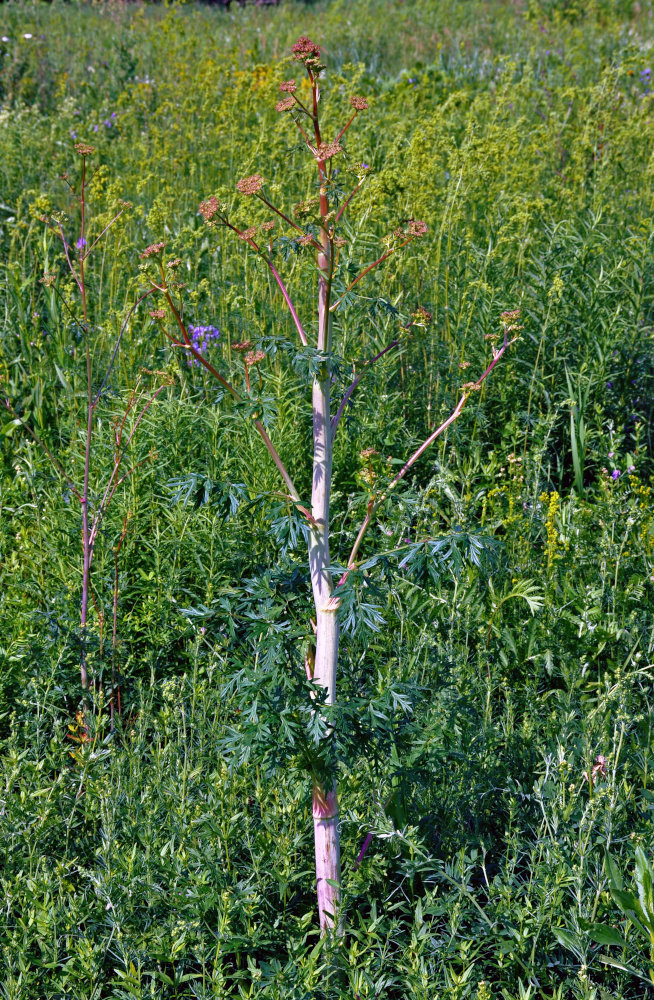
(172, 856)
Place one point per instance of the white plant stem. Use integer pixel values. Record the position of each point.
(325, 800)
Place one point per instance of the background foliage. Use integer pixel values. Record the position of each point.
(482, 673)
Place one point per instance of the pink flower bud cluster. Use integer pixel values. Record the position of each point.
(250, 185)
(209, 208)
(152, 250)
(306, 51)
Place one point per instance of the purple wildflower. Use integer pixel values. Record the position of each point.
(81, 243)
(615, 474)
(201, 337)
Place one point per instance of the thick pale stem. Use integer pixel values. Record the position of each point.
(328, 857)
(325, 800)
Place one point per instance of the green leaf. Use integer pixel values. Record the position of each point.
(62, 378)
(568, 939)
(602, 934)
(613, 872)
(644, 878)
(9, 428)
(608, 960)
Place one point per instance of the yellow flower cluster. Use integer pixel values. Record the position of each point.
(553, 501)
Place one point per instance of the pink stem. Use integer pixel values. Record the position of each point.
(106, 228)
(289, 302)
(339, 413)
(346, 203)
(373, 506)
(379, 260)
(346, 127)
(187, 345)
(364, 847)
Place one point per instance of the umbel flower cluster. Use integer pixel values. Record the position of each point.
(313, 228)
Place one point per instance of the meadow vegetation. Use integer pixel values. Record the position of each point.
(492, 737)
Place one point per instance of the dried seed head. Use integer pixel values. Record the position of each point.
(369, 476)
(464, 364)
(305, 207)
(417, 227)
(599, 769)
(48, 279)
(285, 105)
(158, 313)
(470, 387)
(84, 149)
(326, 150)
(152, 250)
(244, 345)
(367, 453)
(359, 103)
(306, 240)
(174, 263)
(509, 315)
(267, 226)
(288, 86)
(254, 357)
(421, 317)
(249, 233)
(250, 185)
(340, 241)
(209, 208)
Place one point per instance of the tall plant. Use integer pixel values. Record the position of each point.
(93, 493)
(323, 236)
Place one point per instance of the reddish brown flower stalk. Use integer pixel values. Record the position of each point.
(374, 504)
(416, 229)
(187, 345)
